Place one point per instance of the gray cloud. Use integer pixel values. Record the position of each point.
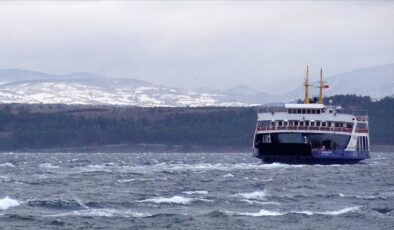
(197, 44)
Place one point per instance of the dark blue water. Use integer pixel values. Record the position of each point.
(191, 191)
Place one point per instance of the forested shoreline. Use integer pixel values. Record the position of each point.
(49, 126)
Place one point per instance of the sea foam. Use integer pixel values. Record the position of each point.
(7, 203)
(174, 200)
(7, 165)
(264, 212)
(48, 165)
(256, 195)
(103, 213)
(200, 192)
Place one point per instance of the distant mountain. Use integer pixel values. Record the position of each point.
(247, 94)
(21, 86)
(376, 82)
(11, 75)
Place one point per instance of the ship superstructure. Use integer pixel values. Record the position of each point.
(311, 132)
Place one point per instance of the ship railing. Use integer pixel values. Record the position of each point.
(304, 128)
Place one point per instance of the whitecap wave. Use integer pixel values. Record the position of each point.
(49, 166)
(125, 180)
(228, 175)
(341, 211)
(173, 200)
(4, 178)
(103, 213)
(264, 212)
(7, 165)
(160, 167)
(141, 179)
(256, 195)
(200, 192)
(7, 203)
(259, 202)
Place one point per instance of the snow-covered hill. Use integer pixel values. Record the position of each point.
(86, 88)
(21, 86)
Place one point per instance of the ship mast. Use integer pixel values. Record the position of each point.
(306, 85)
(321, 86)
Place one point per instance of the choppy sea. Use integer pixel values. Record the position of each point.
(191, 191)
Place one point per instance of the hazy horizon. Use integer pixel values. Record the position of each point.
(192, 45)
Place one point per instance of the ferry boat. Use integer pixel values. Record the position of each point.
(311, 132)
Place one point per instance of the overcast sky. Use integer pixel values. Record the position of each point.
(265, 45)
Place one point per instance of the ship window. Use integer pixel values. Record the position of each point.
(285, 123)
(298, 110)
(313, 111)
(273, 123)
(301, 123)
(264, 123)
(280, 123)
(318, 111)
(349, 125)
(328, 124)
(290, 111)
(317, 123)
(361, 125)
(295, 123)
(323, 124)
(330, 110)
(303, 111)
(312, 123)
(306, 123)
(337, 124)
(308, 111)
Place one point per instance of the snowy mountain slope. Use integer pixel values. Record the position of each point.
(86, 88)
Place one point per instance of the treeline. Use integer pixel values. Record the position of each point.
(170, 126)
(24, 127)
